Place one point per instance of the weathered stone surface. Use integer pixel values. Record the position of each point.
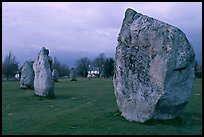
(154, 69)
(55, 75)
(73, 75)
(43, 81)
(50, 62)
(27, 75)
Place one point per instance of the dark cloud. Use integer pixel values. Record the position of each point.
(74, 30)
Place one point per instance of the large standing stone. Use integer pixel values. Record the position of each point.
(55, 75)
(43, 81)
(27, 75)
(154, 69)
(73, 75)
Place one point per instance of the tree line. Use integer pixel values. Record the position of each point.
(104, 65)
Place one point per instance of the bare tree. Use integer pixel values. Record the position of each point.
(62, 69)
(99, 62)
(109, 67)
(82, 66)
(10, 65)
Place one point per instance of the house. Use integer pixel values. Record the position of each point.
(93, 72)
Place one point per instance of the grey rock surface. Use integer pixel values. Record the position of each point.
(198, 70)
(154, 69)
(43, 81)
(55, 75)
(27, 75)
(50, 62)
(73, 75)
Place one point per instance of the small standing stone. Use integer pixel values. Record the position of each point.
(55, 75)
(73, 75)
(27, 75)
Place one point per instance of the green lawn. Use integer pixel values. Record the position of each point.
(86, 107)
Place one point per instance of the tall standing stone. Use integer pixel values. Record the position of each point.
(154, 69)
(27, 75)
(50, 61)
(43, 81)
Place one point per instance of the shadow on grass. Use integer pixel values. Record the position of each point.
(43, 97)
(173, 122)
(178, 121)
(55, 97)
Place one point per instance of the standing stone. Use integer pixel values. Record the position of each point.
(55, 75)
(154, 69)
(198, 70)
(102, 74)
(50, 62)
(73, 75)
(43, 81)
(27, 75)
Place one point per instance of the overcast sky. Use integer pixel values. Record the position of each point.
(72, 30)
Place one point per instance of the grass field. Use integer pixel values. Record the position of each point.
(87, 107)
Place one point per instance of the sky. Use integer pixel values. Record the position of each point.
(73, 30)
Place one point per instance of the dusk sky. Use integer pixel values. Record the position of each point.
(72, 30)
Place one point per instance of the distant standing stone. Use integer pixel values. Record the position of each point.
(27, 75)
(154, 69)
(73, 75)
(102, 74)
(43, 81)
(55, 75)
(198, 70)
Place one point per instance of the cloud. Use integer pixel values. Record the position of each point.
(85, 29)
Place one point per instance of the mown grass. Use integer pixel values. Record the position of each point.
(87, 107)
